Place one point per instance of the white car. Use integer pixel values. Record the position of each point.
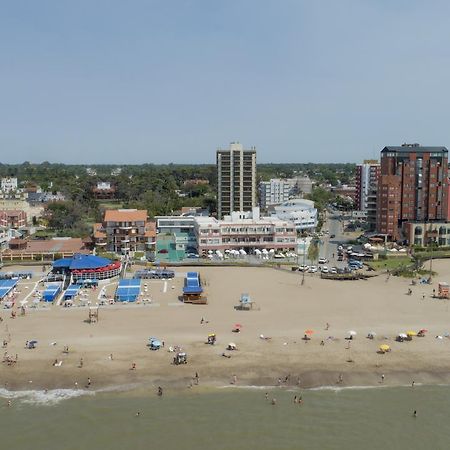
(303, 268)
(312, 269)
(323, 260)
(333, 270)
(324, 269)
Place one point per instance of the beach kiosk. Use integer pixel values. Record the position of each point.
(193, 290)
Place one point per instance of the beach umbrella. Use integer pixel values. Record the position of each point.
(352, 333)
(309, 332)
(411, 333)
(402, 335)
(423, 331)
(372, 333)
(237, 325)
(384, 348)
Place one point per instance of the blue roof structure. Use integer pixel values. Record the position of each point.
(51, 292)
(71, 291)
(128, 290)
(192, 283)
(6, 286)
(79, 262)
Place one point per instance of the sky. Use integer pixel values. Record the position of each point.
(160, 81)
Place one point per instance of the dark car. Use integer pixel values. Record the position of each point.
(332, 236)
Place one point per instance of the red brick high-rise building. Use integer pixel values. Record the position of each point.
(412, 187)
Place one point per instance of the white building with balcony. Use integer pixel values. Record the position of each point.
(245, 230)
(300, 212)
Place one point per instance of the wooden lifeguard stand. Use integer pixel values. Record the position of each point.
(93, 314)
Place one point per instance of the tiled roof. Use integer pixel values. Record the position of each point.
(125, 215)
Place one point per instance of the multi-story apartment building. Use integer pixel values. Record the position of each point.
(367, 175)
(8, 184)
(242, 230)
(236, 179)
(125, 231)
(13, 219)
(412, 187)
(276, 191)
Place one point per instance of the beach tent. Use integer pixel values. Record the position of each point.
(51, 292)
(72, 291)
(6, 286)
(128, 290)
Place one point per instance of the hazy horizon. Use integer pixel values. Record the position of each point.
(154, 82)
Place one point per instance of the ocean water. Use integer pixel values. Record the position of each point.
(228, 418)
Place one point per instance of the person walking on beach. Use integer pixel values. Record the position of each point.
(415, 413)
(413, 383)
(327, 327)
(266, 396)
(382, 378)
(88, 382)
(196, 378)
(160, 391)
(81, 363)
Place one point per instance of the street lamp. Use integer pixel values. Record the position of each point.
(304, 257)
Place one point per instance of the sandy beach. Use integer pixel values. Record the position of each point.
(284, 309)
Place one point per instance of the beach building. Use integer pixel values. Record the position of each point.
(300, 212)
(81, 267)
(176, 233)
(245, 230)
(236, 179)
(412, 187)
(125, 231)
(275, 191)
(38, 249)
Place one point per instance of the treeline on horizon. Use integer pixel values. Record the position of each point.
(158, 188)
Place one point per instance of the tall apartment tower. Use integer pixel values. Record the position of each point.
(236, 179)
(367, 175)
(413, 186)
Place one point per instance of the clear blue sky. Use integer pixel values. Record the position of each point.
(92, 81)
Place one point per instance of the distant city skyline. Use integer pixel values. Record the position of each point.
(150, 82)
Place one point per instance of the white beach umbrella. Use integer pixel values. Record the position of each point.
(264, 251)
(403, 335)
(352, 333)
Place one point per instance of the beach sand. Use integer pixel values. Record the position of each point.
(283, 310)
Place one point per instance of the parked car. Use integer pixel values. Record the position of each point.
(192, 256)
(303, 268)
(324, 269)
(340, 258)
(323, 260)
(332, 236)
(333, 270)
(313, 269)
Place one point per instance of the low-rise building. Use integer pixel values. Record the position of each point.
(125, 231)
(426, 233)
(104, 190)
(300, 212)
(8, 184)
(244, 230)
(13, 219)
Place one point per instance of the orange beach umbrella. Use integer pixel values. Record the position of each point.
(309, 332)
